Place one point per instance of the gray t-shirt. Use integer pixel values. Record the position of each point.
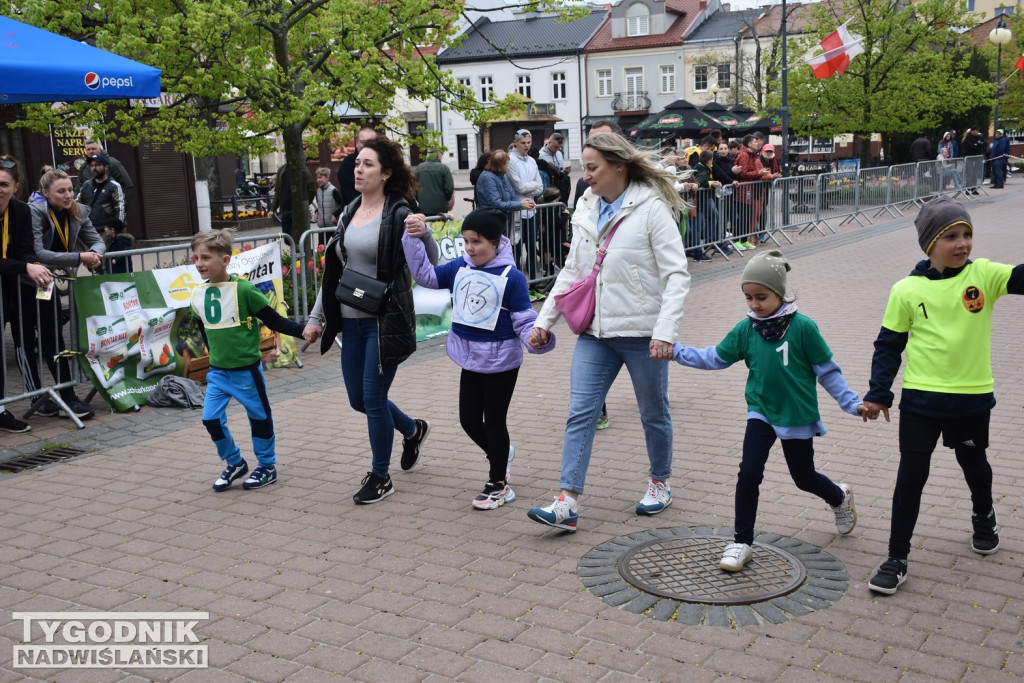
(361, 245)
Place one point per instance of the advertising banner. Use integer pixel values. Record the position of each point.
(434, 306)
(134, 328)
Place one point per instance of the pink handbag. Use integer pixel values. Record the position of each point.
(577, 303)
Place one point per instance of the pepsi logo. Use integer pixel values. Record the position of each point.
(92, 80)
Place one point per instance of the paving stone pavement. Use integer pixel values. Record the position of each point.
(302, 585)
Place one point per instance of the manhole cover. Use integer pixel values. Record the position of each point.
(687, 569)
(673, 575)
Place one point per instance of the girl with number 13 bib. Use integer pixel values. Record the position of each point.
(491, 323)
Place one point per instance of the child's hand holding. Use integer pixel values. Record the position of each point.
(870, 410)
(539, 337)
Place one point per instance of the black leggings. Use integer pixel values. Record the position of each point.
(968, 437)
(483, 409)
(799, 453)
(45, 330)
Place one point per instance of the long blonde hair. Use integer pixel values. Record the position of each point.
(47, 181)
(641, 167)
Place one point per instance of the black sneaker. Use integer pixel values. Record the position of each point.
(47, 407)
(230, 473)
(374, 489)
(890, 576)
(986, 534)
(81, 410)
(11, 424)
(411, 445)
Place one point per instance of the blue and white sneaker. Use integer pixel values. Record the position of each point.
(230, 473)
(561, 514)
(659, 497)
(260, 477)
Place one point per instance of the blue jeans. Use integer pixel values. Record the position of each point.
(595, 363)
(367, 389)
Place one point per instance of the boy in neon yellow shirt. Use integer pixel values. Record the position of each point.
(942, 316)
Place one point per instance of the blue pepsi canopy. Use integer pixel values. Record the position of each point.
(39, 66)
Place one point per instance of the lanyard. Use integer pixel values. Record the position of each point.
(7, 214)
(63, 235)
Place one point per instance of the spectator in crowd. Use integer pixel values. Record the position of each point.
(117, 238)
(947, 153)
(102, 194)
(474, 174)
(552, 153)
(347, 169)
(329, 201)
(369, 241)
(21, 276)
(526, 181)
(641, 285)
(437, 187)
(283, 200)
(58, 228)
(999, 158)
(770, 160)
(37, 198)
(494, 189)
(116, 170)
(974, 144)
(921, 149)
(749, 171)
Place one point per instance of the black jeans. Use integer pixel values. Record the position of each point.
(483, 409)
(799, 453)
(40, 331)
(968, 437)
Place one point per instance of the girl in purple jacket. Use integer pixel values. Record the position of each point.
(491, 322)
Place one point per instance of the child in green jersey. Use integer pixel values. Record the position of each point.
(942, 316)
(785, 354)
(231, 310)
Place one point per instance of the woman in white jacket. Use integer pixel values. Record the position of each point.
(639, 303)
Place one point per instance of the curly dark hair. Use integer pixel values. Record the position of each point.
(392, 158)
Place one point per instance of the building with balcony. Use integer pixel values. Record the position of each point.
(535, 56)
(635, 62)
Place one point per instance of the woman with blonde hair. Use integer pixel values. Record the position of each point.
(632, 211)
(59, 226)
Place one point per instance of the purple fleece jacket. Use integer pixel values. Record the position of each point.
(493, 354)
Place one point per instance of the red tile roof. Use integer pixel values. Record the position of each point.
(688, 11)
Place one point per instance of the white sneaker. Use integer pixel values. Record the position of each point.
(659, 497)
(845, 512)
(494, 496)
(561, 514)
(511, 457)
(735, 557)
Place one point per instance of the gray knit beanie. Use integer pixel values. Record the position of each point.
(936, 217)
(768, 269)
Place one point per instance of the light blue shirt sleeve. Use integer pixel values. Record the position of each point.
(702, 359)
(831, 377)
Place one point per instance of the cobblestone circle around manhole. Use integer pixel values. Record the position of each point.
(673, 575)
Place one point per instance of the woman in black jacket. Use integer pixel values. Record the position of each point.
(17, 261)
(369, 240)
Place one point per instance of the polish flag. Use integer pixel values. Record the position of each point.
(837, 49)
(1020, 66)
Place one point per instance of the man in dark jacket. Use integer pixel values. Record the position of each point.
(116, 170)
(283, 200)
(437, 187)
(998, 155)
(972, 145)
(102, 194)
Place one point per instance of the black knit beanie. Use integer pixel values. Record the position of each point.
(938, 216)
(488, 222)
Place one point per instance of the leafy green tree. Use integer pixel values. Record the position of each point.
(915, 72)
(241, 72)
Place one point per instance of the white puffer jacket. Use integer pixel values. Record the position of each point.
(643, 281)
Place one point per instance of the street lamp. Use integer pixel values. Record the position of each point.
(1000, 36)
(715, 89)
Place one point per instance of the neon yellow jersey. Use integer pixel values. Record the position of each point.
(950, 324)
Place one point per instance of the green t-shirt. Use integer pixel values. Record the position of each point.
(228, 311)
(950, 324)
(781, 384)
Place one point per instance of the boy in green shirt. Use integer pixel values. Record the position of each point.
(942, 315)
(231, 310)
